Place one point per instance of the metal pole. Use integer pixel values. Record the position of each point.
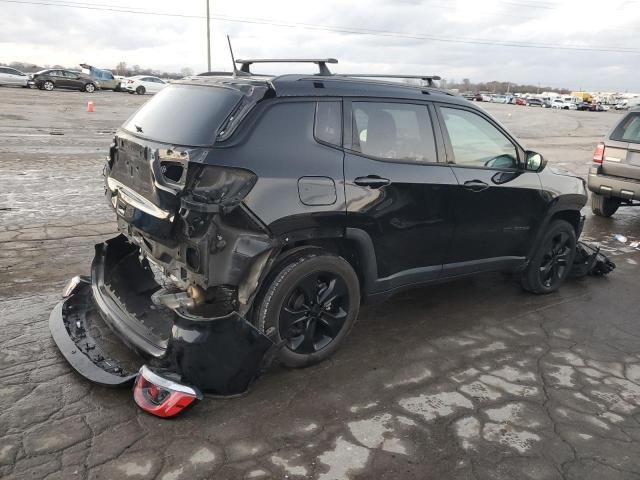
(208, 39)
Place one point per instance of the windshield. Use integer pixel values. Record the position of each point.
(184, 114)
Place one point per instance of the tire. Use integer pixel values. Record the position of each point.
(552, 260)
(48, 85)
(141, 90)
(89, 88)
(318, 292)
(604, 206)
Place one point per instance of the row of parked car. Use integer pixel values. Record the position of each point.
(89, 80)
(562, 103)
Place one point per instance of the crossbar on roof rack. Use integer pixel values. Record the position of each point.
(321, 62)
(426, 78)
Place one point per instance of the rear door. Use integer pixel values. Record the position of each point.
(396, 190)
(73, 79)
(63, 78)
(622, 150)
(5, 78)
(497, 203)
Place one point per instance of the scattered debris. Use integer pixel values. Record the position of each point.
(590, 261)
(620, 238)
(634, 244)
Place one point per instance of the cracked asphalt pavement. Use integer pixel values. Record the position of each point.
(470, 380)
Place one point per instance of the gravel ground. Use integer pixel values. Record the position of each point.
(470, 380)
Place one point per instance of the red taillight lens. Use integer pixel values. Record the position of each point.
(162, 397)
(598, 154)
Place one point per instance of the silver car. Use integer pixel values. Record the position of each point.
(614, 178)
(11, 76)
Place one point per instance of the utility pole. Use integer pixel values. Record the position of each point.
(208, 39)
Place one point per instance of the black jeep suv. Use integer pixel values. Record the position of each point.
(257, 213)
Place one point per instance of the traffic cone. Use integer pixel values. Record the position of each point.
(89, 106)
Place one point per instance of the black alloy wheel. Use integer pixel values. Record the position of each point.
(308, 305)
(551, 263)
(314, 312)
(555, 260)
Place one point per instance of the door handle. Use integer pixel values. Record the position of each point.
(372, 181)
(476, 185)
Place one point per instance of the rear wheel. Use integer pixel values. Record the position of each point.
(604, 206)
(48, 85)
(551, 263)
(310, 304)
(140, 90)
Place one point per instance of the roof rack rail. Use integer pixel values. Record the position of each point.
(321, 62)
(426, 78)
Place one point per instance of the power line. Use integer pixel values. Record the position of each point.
(335, 29)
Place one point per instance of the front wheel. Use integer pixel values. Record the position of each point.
(48, 85)
(140, 90)
(89, 88)
(552, 260)
(604, 206)
(310, 304)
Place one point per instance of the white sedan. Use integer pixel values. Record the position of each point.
(563, 104)
(11, 76)
(142, 84)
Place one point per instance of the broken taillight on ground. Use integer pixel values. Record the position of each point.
(160, 396)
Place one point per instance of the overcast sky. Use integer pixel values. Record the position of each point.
(442, 37)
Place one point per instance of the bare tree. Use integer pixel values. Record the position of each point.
(186, 72)
(121, 68)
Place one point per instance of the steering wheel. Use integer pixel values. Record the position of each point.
(501, 161)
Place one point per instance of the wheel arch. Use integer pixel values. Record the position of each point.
(563, 209)
(352, 244)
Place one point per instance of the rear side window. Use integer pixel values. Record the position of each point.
(328, 123)
(393, 131)
(628, 130)
(184, 114)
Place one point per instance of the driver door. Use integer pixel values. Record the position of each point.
(497, 204)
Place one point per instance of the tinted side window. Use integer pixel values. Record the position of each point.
(394, 131)
(4, 70)
(629, 129)
(328, 123)
(476, 142)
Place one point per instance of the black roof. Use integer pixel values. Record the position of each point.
(299, 85)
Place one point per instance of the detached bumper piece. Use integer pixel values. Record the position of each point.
(112, 334)
(86, 341)
(590, 261)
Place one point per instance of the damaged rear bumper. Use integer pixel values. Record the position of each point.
(107, 328)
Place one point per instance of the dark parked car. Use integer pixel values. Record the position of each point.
(534, 102)
(590, 107)
(257, 214)
(59, 78)
(614, 178)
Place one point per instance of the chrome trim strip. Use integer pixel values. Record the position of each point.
(137, 201)
(156, 379)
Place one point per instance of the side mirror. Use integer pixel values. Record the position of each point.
(534, 162)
